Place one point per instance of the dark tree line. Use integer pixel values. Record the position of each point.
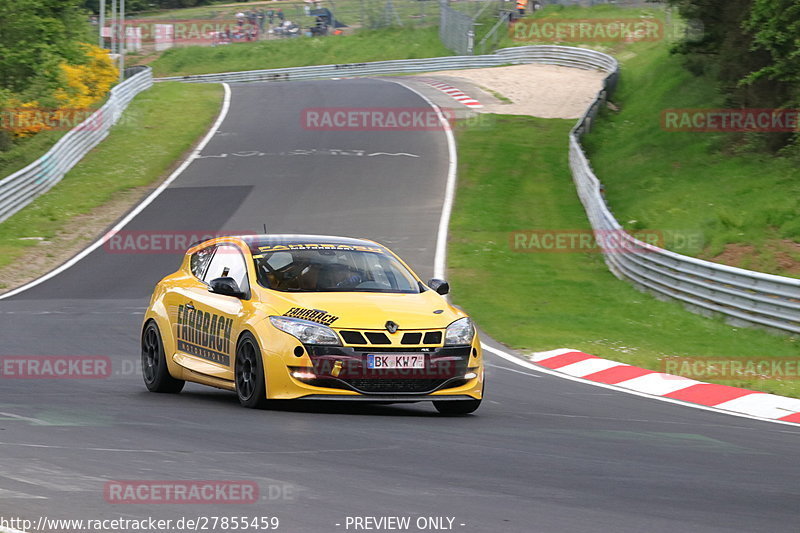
(752, 47)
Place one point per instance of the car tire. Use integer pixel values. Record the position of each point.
(249, 373)
(457, 407)
(154, 363)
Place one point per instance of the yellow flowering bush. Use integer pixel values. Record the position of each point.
(19, 118)
(83, 86)
(89, 82)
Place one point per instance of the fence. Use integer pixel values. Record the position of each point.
(22, 187)
(462, 24)
(489, 41)
(456, 30)
(237, 22)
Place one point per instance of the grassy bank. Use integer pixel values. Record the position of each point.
(26, 152)
(712, 195)
(533, 28)
(156, 129)
(365, 45)
(513, 175)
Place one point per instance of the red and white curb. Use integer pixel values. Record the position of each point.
(584, 368)
(722, 397)
(455, 94)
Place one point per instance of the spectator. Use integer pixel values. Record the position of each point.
(281, 16)
(261, 20)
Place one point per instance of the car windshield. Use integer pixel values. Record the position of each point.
(329, 270)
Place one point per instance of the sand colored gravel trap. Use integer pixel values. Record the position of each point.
(544, 91)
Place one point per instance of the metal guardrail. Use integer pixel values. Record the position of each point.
(742, 295)
(22, 187)
(553, 55)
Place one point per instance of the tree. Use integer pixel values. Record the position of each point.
(775, 25)
(37, 35)
(752, 47)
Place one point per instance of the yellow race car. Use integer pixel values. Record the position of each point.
(309, 317)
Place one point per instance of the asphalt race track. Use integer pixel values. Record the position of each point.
(542, 454)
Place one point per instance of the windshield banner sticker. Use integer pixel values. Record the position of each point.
(346, 247)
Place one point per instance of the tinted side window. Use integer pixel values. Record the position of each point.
(228, 262)
(199, 261)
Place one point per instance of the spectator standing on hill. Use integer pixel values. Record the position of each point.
(262, 19)
(281, 16)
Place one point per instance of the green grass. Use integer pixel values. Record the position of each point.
(365, 45)
(26, 151)
(156, 129)
(701, 185)
(518, 37)
(514, 175)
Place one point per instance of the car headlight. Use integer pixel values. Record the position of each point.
(459, 332)
(305, 331)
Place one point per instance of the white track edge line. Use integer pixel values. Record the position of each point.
(139, 208)
(440, 257)
(10, 530)
(514, 359)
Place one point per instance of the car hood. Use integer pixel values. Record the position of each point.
(427, 310)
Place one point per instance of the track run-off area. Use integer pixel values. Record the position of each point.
(542, 454)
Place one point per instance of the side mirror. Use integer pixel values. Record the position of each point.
(226, 287)
(439, 285)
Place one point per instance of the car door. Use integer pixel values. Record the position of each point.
(207, 324)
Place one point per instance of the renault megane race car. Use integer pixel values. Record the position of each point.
(309, 317)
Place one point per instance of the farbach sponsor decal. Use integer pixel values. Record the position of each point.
(314, 315)
(204, 334)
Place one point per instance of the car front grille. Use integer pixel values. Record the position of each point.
(379, 338)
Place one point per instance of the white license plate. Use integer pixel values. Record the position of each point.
(396, 360)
